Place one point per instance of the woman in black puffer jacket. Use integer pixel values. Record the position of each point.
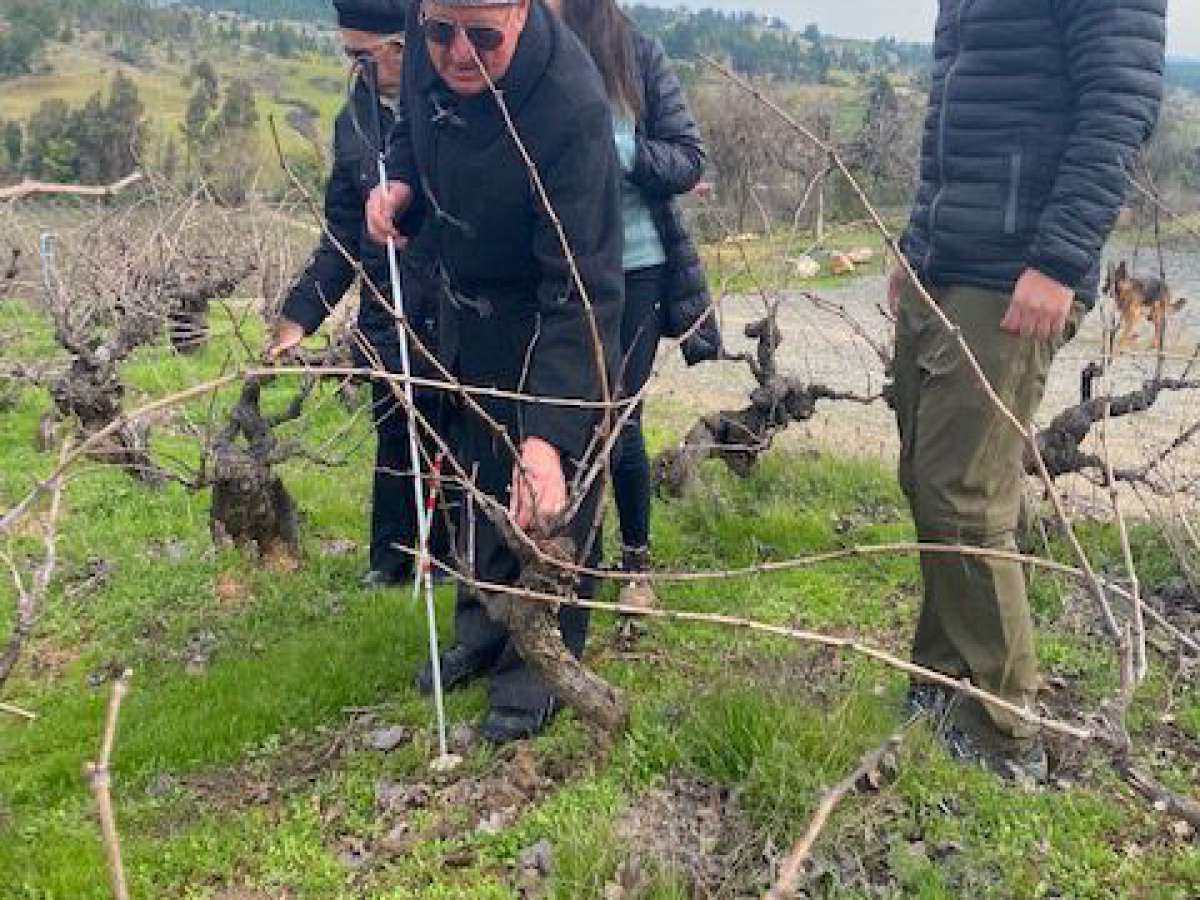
(666, 290)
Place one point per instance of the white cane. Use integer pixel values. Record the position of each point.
(423, 523)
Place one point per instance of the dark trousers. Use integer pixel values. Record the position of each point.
(393, 504)
(640, 332)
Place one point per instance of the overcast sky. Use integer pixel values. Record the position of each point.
(909, 19)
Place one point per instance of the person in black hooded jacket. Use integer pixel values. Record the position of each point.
(370, 30)
(1037, 111)
(666, 290)
(511, 316)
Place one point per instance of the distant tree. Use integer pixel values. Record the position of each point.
(219, 129)
(168, 162)
(202, 104)
(13, 140)
(125, 128)
(98, 143)
(758, 45)
(238, 109)
(28, 25)
(60, 160)
(45, 131)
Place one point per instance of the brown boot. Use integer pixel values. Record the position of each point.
(635, 594)
(639, 593)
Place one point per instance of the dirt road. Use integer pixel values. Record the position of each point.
(821, 347)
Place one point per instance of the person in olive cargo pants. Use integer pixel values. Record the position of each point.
(961, 469)
(1037, 111)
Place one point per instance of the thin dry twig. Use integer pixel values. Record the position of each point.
(1136, 636)
(851, 645)
(98, 776)
(793, 867)
(9, 709)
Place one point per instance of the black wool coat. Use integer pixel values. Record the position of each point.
(1037, 110)
(510, 314)
(669, 161)
(329, 274)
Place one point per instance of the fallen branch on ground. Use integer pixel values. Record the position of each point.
(792, 868)
(1173, 805)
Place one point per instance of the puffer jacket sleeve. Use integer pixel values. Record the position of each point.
(1116, 57)
(670, 153)
(583, 184)
(329, 272)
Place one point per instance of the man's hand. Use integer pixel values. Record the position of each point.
(539, 490)
(897, 282)
(384, 204)
(1040, 307)
(285, 338)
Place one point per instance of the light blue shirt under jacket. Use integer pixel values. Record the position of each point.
(643, 246)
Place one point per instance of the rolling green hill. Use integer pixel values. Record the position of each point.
(286, 90)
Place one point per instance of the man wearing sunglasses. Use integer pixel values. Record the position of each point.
(511, 316)
(373, 40)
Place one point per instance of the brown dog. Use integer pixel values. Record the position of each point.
(1139, 298)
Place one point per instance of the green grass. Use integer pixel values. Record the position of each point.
(772, 722)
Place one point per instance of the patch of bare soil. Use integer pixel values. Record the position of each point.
(241, 893)
(1179, 603)
(881, 841)
(694, 830)
(455, 806)
(271, 778)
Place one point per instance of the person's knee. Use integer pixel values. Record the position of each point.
(631, 446)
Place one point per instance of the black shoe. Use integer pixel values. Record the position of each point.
(378, 578)
(503, 726)
(930, 700)
(1024, 763)
(460, 666)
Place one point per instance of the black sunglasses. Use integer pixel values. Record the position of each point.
(482, 37)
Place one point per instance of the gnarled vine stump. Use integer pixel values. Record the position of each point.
(251, 507)
(534, 628)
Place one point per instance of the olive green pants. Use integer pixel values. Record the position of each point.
(961, 469)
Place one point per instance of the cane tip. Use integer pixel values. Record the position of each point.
(446, 763)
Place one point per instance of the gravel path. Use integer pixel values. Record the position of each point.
(821, 347)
